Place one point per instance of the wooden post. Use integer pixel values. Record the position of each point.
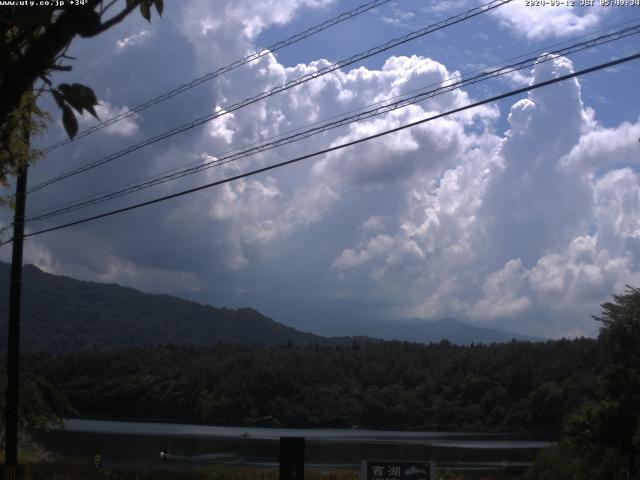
(291, 458)
(13, 350)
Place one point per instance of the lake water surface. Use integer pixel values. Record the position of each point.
(138, 445)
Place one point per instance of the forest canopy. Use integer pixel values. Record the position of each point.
(518, 386)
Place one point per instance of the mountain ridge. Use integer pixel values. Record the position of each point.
(62, 314)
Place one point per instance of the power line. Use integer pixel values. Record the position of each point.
(544, 49)
(222, 70)
(281, 88)
(384, 108)
(339, 147)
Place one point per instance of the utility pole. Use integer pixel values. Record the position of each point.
(13, 350)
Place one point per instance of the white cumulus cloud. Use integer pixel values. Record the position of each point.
(535, 22)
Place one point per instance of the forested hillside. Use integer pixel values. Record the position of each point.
(61, 314)
(518, 386)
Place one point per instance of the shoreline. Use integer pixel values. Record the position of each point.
(353, 432)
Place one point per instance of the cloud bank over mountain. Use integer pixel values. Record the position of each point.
(528, 227)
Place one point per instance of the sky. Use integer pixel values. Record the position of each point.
(523, 214)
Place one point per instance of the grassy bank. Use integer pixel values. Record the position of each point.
(69, 470)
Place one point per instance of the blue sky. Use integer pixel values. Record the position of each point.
(521, 215)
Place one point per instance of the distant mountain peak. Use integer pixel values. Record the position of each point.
(447, 328)
(447, 321)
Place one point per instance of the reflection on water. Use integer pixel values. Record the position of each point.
(138, 444)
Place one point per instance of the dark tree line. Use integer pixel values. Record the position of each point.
(519, 386)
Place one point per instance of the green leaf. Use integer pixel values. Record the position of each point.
(131, 3)
(159, 6)
(57, 96)
(93, 113)
(80, 97)
(69, 121)
(144, 10)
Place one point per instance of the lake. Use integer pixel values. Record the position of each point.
(138, 444)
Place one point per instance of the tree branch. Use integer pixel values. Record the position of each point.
(113, 20)
(103, 9)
